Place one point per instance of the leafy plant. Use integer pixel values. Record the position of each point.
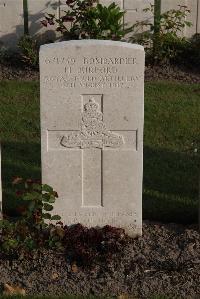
(162, 38)
(29, 50)
(84, 246)
(31, 230)
(40, 199)
(89, 20)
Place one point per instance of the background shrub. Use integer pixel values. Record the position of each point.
(89, 20)
(163, 41)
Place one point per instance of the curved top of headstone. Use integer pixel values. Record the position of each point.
(91, 42)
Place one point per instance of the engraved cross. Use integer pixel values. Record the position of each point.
(92, 139)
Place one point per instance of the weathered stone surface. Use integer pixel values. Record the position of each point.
(92, 131)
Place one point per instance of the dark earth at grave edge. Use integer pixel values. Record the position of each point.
(165, 260)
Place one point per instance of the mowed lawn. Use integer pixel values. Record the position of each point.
(171, 146)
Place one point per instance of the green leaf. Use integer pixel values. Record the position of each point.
(47, 188)
(46, 216)
(55, 217)
(27, 197)
(187, 23)
(47, 207)
(52, 199)
(46, 197)
(37, 187)
(112, 27)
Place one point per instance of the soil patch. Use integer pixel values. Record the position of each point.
(165, 260)
(13, 68)
(172, 73)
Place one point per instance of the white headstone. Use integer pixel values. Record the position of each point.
(92, 110)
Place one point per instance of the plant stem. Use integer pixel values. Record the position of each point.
(156, 38)
(25, 11)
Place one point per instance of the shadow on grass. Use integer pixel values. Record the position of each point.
(170, 180)
(22, 160)
(170, 186)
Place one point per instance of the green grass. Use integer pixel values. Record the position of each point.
(171, 168)
(20, 135)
